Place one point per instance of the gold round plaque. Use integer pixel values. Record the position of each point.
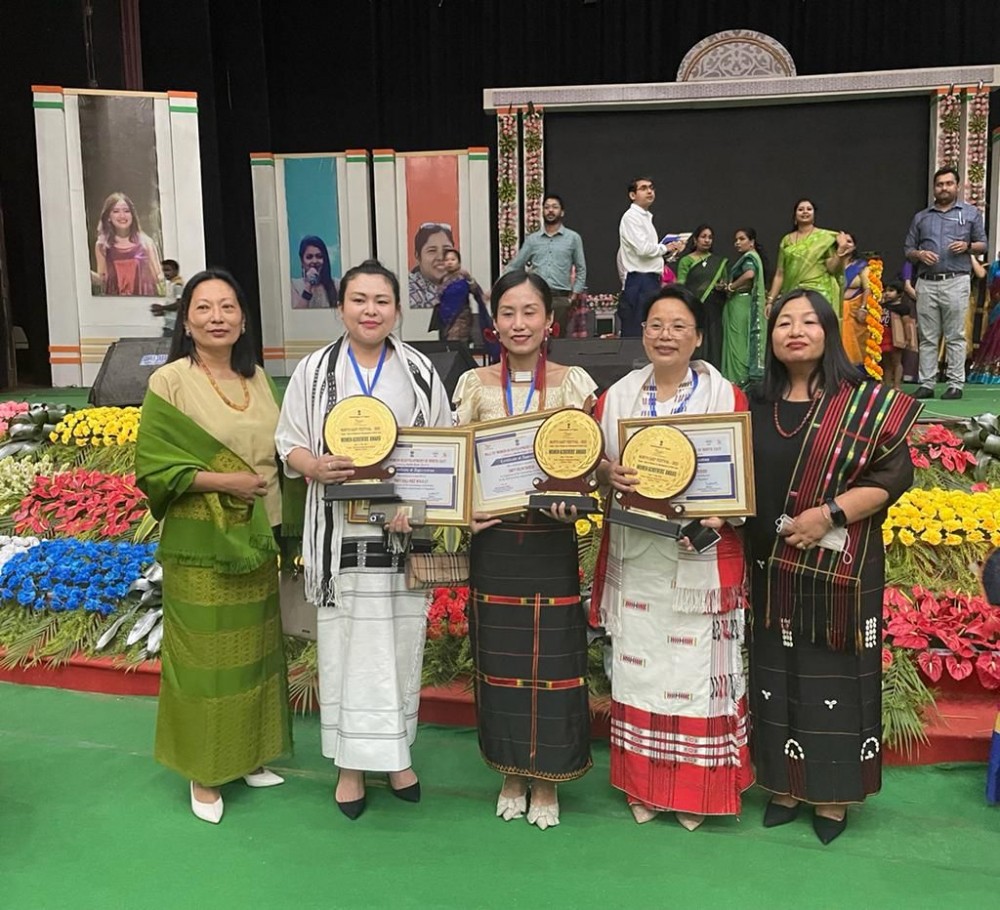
(569, 444)
(665, 459)
(362, 428)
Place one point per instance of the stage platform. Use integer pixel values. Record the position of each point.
(977, 399)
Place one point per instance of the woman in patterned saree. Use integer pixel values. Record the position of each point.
(205, 459)
(812, 258)
(830, 456)
(743, 318)
(853, 310)
(678, 706)
(526, 626)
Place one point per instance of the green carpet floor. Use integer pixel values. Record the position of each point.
(89, 820)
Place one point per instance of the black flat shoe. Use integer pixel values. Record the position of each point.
(951, 394)
(775, 814)
(828, 829)
(354, 808)
(923, 392)
(410, 794)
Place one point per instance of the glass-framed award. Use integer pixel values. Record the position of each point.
(504, 469)
(363, 429)
(719, 460)
(568, 447)
(432, 478)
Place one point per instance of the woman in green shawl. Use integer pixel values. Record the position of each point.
(704, 273)
(205, 458)
(743, 317)
(811, 258)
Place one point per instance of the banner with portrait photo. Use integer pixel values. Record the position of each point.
(431, 223)
(121, 195)
(313, 228)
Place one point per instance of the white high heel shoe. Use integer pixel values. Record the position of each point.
(207, 812)
(263, 778)
(643, 814)
(509, 807)
(543, 817)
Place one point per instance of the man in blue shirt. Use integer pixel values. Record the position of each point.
(940, 243)
(553, 253)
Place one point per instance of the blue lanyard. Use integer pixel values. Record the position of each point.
(510, 395)
(681, 406)
(365, 388)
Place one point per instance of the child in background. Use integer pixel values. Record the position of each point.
(895, 312)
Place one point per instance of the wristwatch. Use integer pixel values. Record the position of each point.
(838, 517)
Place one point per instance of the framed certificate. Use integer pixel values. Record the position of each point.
(723, 483)
(504, 468)
(431, 466)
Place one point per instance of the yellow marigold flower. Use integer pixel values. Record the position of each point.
(907, 538)
(989, 523)
(953, 540)
(974, 536)
(932, 537)
(995, 539)
(952, 525)
(887, 536)
(970, 523)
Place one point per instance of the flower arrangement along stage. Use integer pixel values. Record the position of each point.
(77, 572)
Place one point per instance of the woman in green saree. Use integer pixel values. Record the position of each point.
(743, 317)
(811, 258)
(704, 273)
(205, 458)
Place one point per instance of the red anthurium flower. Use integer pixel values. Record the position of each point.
(988, 669)
(931, 664)
(886, 658)
(958, 668)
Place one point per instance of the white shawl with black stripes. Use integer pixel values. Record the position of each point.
(311, 394)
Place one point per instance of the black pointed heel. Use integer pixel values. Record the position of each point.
(775, 814)
(410, 794)
(828, 829)
(353, 808)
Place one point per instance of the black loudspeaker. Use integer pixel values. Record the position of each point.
(450, 358)
(124, 375)
(605, 359)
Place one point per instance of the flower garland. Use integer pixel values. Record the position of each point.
(507, 179)
(98, 427)
(534, 167)
(873, 319)
(81, 503)
(64, 575)
(976, 148)
(949, 123)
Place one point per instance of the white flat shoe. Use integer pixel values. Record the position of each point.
(643, 814)
(509, 807)
(207, 812)
(543, 817)
(263, 778)
(688, 821)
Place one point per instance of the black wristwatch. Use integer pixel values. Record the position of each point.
(837, 515)
(307, 295)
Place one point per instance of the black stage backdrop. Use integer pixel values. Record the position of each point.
(302, 76)
(743, 167)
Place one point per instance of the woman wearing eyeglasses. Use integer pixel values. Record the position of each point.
(675, 616)
(430, 243)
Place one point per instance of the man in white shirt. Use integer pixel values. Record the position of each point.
(641, 255)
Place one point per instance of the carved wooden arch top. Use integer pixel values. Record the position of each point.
(736, 54)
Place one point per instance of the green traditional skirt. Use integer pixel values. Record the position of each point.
(223, 708)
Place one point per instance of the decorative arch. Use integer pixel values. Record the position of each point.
(736, 54)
